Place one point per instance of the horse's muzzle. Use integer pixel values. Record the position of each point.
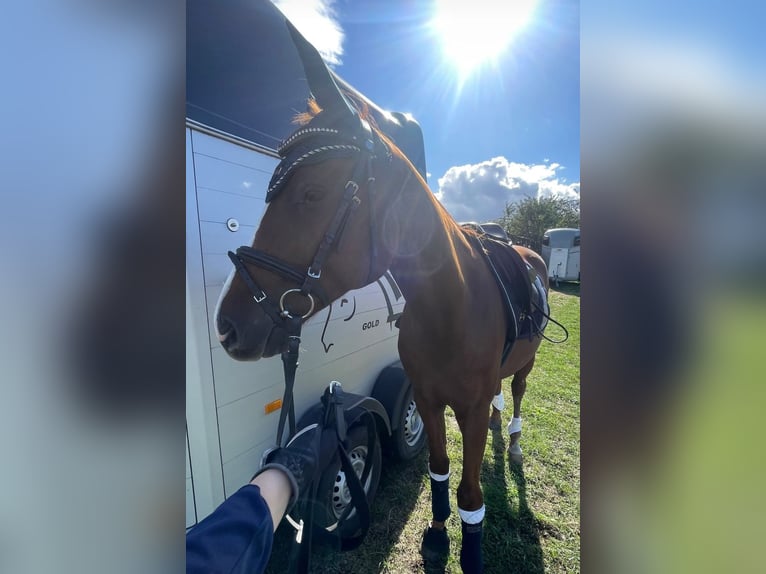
(250, 340)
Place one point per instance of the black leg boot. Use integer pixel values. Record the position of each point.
(470, 553)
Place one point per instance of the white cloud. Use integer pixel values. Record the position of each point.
(479, 192)
(317, 21)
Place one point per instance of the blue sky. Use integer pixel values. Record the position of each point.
(506, 129)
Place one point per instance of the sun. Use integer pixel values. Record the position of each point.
(475, 32)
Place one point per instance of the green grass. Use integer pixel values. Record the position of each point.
(533, 512)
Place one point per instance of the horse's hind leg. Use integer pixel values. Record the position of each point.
(498, 404)
(518, 388)
(470, 499)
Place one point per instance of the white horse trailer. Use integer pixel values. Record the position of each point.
(244, 85)
(561, 253)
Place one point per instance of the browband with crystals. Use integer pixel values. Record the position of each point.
(288, 164)
(300, 134)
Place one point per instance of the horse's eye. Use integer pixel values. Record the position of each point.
(312, 195)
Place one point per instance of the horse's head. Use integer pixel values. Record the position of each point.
(320, 235)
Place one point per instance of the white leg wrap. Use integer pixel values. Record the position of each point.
(498, 402)
(471, 516)
(438, 477)
(514, 425)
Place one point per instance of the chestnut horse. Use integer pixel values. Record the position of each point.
(346, 204)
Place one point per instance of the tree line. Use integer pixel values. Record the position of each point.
(526, 220)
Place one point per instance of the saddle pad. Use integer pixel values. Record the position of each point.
(522, 290)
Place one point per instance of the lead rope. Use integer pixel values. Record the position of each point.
(300, 561)
(289, 366)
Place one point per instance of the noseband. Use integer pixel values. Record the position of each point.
(305, 147)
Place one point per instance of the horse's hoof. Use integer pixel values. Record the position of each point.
(495, 424)
(514, 453)
(435, 549)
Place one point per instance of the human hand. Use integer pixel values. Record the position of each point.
(298, 460)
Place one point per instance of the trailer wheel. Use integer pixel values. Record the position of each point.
(333, 493)
(408, 439)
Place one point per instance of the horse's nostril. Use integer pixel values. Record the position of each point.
(226, 330)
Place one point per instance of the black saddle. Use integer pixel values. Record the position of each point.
(522, 290)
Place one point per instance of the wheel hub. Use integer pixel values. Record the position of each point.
(413, 425)
(341, 495)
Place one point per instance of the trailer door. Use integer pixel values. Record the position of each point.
(573, 264)
(558, 262)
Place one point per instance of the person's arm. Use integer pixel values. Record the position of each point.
(276, 491)
(237, 536)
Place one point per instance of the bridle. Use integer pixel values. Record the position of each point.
(310, 145)
(295, 152)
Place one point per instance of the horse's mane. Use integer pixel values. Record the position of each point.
(313, 110)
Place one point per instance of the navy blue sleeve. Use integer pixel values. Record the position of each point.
(236, 537)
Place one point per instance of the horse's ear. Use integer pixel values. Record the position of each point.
(322, 85)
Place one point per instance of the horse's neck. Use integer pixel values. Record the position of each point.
(433, 272)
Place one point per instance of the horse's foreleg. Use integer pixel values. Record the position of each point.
(470, 499)
(435, 546)
(498, 404)
(518, 388)
(438, 463)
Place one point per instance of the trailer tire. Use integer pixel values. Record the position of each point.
(409, 436)
(332, 493)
